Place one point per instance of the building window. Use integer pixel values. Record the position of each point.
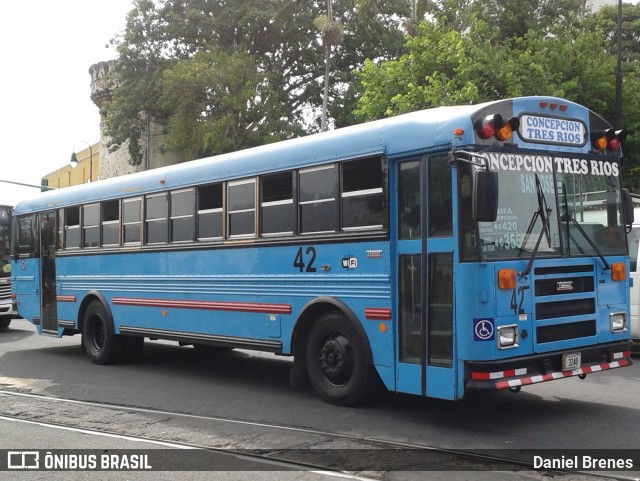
(131, 220)
(156, 211)
(210, 212)
(276, 204)
(362, 194)
(241, 209)
(110, 223)
(182, 219)
(91, 225)
(317, 204)
(72, 227)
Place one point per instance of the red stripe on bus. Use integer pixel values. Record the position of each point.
(66, 298)
(205, 305)
(377, 314)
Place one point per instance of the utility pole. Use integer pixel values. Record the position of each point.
(617, 119)
(327, 61)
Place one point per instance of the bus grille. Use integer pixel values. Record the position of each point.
(562, 332)
(5, 291)
(576, 285)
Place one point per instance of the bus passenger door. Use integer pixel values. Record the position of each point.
(49, 307)
(425, 250)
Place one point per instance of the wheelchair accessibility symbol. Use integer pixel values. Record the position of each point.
(483, 329)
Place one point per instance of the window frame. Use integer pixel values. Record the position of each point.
(229, 212)
(191, 215)
(124, 225)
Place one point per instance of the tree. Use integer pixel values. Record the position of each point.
(467, 53)
(223, 75)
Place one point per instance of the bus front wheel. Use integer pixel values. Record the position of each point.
(336, 360)
(4, 322)
(99, 340)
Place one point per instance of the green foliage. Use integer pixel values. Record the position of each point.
(472, 51)
(223, 75)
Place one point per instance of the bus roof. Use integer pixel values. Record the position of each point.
(392, 136)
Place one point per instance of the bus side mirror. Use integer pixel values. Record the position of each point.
(485, 196)
(627, 207)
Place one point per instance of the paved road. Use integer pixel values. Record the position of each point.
(232, 400)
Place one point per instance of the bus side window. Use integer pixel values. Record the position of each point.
(241, 209)
(362, 194)
(409, 201)
(131, 220)
(72, 227)
(91, 225)
(110, 222)
(183, 224)
(156, 212)
(276, 204)
(210, 212)
(317, 203)
(440, 206)
(25, 244)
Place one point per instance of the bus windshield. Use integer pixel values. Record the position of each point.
(550, 206)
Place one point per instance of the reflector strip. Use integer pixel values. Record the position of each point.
(620, 355)
(61, 298)
(377, 314)
(524, 381)
(204, 305)
(485, 376)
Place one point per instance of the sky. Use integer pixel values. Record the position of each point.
(46, 49)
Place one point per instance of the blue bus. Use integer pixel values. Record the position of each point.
(457, 248)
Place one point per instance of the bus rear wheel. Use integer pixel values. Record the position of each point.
(336, 360)
(99, 341)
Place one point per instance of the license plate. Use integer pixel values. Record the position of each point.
(571, 361)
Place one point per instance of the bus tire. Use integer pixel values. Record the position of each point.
(99, 341)
(4, 322)
(336, 360)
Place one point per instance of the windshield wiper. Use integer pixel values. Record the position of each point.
(544, 212)
(569, 219)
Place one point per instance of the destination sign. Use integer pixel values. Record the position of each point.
(548, 164)
(534, 128)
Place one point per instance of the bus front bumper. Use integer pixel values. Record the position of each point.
(522, 371)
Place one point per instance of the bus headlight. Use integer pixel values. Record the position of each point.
(507, 336)
(618, 321)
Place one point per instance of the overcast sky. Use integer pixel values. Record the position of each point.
(47, 47)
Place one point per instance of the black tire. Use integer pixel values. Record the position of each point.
(99, 341)
(337, 361)
(4, 322)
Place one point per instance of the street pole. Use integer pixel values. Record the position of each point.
(617, 120)
(74, 159)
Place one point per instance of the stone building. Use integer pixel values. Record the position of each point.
(114, 164)
(96, 159)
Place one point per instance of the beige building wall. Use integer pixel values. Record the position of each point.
(88, 163)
